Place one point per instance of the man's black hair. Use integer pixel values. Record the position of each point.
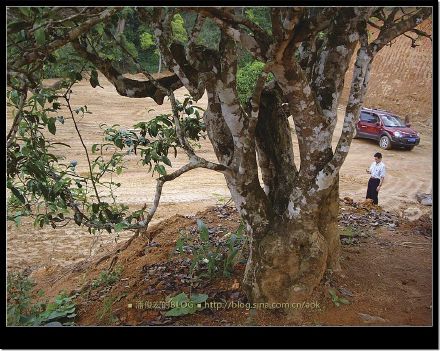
(378, 155)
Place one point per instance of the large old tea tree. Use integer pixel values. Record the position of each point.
(295, 60)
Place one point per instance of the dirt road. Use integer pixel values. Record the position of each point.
(408, 172)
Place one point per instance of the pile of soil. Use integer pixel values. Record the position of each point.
(402, 86)
(421, 226)
(394, 290)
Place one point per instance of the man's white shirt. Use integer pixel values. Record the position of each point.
(377, 170)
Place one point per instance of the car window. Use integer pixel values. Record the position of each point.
(368, 117)
(374, 118)
(365, 116)
(392, 121)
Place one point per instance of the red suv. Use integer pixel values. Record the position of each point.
(387, 128)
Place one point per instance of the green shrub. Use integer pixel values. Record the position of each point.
(183, 304)
(247, 78)
(23, 311)
(208, 259)
(107, 278)
(105, 314)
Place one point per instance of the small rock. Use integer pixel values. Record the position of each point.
(53, 324)
(345, 292)
(366, 318)
(412, 213)
(424, 199)
(426, 202)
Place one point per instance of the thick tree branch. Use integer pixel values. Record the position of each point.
(143, 224)
(175, 60)
(361, 74)
(34, 55)
(309, 24)
(257, 45)
(277, 26)
(201, 58)
(393, 31)
(233, 20)
(126, 86)
(421, 33)
(179, 131)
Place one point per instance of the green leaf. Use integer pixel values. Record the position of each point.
(160, 169)
(51, 125)
(203, 230)
(120, 226)
(100, 28)
(18, 195)
(199, 298)
(78, 218)
(25, 11)
(179, 244)
(94, 79)
(40, 36)
(153, 130)
(118, 142)
(178, 299)
(178, 311)
(166, 160)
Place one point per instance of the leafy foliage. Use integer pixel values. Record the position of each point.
(40, 184)
(146, 40)
(337, 300)
(153, 140)
(23, 311)
(260, 16)
(31, 163)
(107, 278)
(105, 313)
(184, 304)
(43, 185)
(247, 78)
(178, 28)
(209, 259)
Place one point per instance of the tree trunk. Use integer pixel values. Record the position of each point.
(160, 63)
(288, 261)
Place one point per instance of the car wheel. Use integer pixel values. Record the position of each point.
(385, 142)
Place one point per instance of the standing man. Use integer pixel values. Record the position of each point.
(377, 171)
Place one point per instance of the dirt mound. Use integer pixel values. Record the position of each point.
(147, 272)
(421, 226)
(401, 79)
